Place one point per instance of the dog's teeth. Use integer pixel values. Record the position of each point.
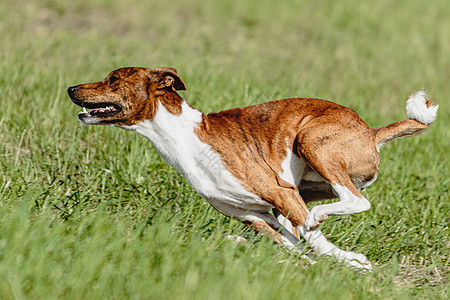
(84, 110)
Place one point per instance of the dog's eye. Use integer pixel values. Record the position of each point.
(113, 79)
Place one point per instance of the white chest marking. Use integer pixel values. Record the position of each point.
(174, 138)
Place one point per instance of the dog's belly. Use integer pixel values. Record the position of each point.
(296, 172)
(208, 176)
(311, 186)
(203, 169)
(227, 195)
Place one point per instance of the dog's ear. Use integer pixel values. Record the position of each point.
(170, 78)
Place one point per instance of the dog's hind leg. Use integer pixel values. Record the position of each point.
(350, 201)
(358, 162)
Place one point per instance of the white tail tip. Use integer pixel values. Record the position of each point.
(421, 109)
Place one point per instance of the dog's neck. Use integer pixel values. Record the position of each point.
(172, 135)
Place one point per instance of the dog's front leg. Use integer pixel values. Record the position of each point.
(266, 224)
(321, 245)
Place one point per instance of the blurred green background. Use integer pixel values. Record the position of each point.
(93, 212)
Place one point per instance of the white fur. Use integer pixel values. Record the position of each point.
(417, 109)
(293, 167)
(294, 171)
(286, 236)
(174, 139)
(348, 204)
(313, 176)
(285, 222)
(321, 246)
(363, 185)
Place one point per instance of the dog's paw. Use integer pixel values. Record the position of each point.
(356, 260)
(357, 265)
(314, 219)
(237, 239)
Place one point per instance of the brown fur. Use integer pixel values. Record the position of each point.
(138, 91)
(397, 130)
(253, 141)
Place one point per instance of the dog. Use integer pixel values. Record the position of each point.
(249, 161)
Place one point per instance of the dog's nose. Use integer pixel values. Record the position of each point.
(71, 90)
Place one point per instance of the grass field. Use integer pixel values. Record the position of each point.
(94, 212)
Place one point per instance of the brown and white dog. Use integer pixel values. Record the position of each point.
(249, 161)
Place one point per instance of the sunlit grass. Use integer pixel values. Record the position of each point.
(94, 213)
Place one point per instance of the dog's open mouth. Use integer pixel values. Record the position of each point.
(99, 110)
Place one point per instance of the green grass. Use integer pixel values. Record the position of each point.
(94, 213)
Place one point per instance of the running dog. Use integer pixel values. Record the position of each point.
(249, 161)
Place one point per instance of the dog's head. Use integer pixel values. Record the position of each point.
(128, 95)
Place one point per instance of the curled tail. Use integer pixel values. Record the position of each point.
(421, 112)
